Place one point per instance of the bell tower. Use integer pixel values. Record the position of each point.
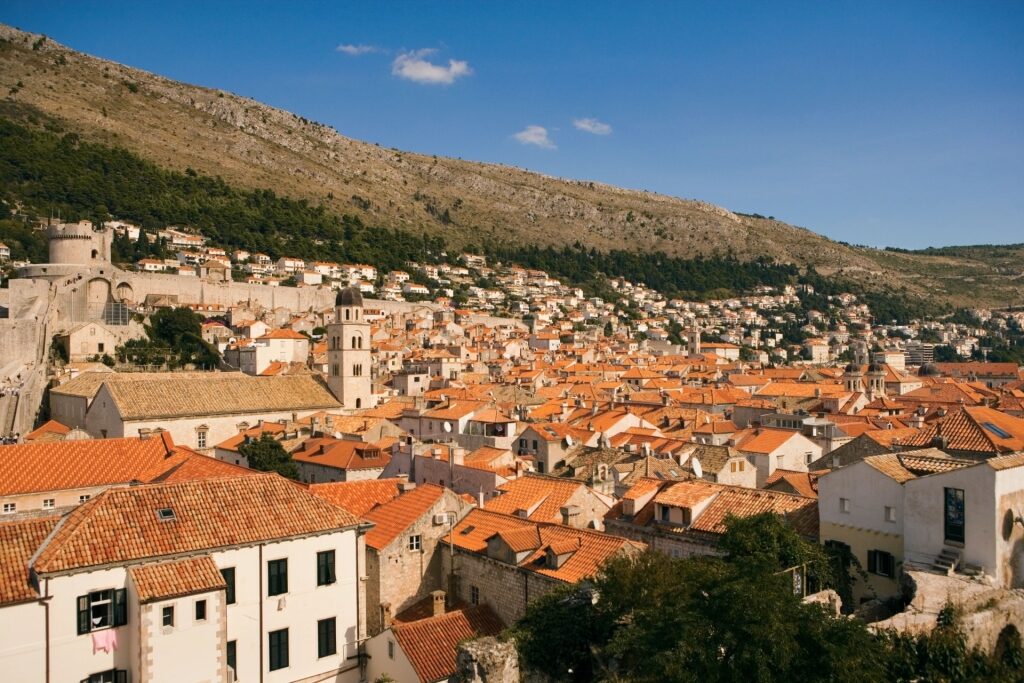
(348, 352)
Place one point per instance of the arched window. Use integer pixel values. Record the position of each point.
(354, 343)
(359, 403)
(348, 313)
(95, 253)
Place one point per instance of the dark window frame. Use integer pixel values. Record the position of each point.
(277, 577)
(326, 637)
(278, 649)
(229, 578)
(116, 610)
(326, 572)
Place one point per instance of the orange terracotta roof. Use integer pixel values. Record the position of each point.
(284, 334)
(394, 517)
(49, 429)
(803, 483)
(177, 578)
(595, 548)
(19, 540)
(431, 644)
(974, 429)
(358, 497)
(762, 440)
(342, 454)
(62, 465)
(542, 496)
(121, 525)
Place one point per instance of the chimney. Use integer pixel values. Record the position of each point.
(406, 485)
(458, 456)
(438, 602)
(593, 408)
(385, 614)
(572, 515)
(939, 441)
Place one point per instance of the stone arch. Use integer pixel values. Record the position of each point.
(125, 293)
(97, 296)
(1009, 638)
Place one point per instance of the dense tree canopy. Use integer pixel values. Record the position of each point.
(652, 618)
(266, 454)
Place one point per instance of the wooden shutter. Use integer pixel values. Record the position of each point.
(83, 614)
(120, 607)
(873, 561)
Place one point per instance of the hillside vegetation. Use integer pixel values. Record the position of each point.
(250, 145)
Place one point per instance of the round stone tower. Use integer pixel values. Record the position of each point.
(71, 243)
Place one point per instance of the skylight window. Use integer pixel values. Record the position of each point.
(468, 530)
(1001, 433)
(165, 514)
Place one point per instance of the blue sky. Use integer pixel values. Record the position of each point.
(871, 122)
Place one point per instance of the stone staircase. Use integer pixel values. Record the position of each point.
(947, 561)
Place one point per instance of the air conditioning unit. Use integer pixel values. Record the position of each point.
(281, 604)
(440, 519)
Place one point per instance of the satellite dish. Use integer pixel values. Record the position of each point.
(499, 429)
(337, 435)
(697, 469)
(568, 441)
(447, 427)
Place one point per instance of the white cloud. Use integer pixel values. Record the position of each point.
(414, 66)
(356, 50)
(592, 126)
(535, 135)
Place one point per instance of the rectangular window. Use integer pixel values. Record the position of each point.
(201, 439)
(201, 610)
(277, 577)
(229, 579)
(111, 676)
(881, 563)
(415, 542)
(391, 649)
(10, 508)
(84, 497)
(326, 637)
(49, 503)
(474, 595)
(325, 568)
(844, 505)
(664, 513)
(890, 513)
(278, 649)
(102, 609)
(168, 616)
(232, 655)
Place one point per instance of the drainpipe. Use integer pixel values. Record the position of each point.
(260, 582)
(46, 620)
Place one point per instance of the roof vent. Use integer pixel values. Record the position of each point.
(165, 514)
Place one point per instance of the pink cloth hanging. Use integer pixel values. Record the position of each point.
(105, 640)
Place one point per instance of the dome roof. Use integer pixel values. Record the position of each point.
(876, 367)
(350, 296)
(851, 369)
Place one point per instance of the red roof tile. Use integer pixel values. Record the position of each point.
(163, 580)
(430, 644)
(358, 497)
(18, 542)
(121, 525)
(392, 518)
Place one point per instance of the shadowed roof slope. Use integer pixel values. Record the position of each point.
(18, 541)
(391, 519)
(122, 525)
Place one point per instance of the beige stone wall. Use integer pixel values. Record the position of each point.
(505, 588)
(402, 577)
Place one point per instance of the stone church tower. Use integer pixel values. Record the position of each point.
(348, 352)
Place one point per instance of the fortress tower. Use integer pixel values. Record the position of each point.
(348, 352)
(78, 244)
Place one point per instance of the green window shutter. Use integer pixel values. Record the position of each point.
(83, 614)
(120, 607)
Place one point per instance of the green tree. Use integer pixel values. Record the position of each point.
(266, 454)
